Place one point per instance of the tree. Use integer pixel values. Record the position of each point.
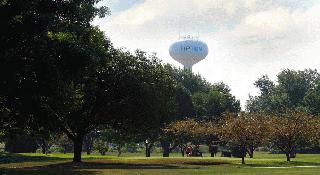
(245, 132)
(264, 84)
(311, 99)
(189, 80)
(65, 73)
(184, 103)
(290, 128)
(179, 133)
(101, 146)
(157, 109)
(45, 44)
(294, 90)
(257, 130)
(130, 92)
(116, 136)
(27, 46)
(190, 130)
(213, 103)
(197, 98)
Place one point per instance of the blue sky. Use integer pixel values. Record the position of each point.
(120, 5)
(246, 38)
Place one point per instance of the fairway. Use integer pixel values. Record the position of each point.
(263, 163)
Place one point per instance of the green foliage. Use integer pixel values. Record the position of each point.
(32, 60)
(101, 146)
(63, 73)
(215, 102)
(197, 97)
(184, 103)
(189, 80)
(293, 90)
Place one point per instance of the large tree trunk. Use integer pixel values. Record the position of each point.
(244, 152)
(44, 147)
(64, 149)
(166, 148)
(77, 148)
(211, 150)
(148, 149)
(182, 151)
(119, 149)
(288, 157)
(251, 150)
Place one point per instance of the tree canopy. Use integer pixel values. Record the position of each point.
(59, 71)
(292, 90)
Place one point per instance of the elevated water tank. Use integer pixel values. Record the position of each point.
(188, 51)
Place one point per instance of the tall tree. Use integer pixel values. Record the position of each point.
(293, 90)
(216, 101)
(28, 50)
(58, 70)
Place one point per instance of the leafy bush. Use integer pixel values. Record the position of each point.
(100, 146)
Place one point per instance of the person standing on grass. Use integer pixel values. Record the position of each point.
(189, 151)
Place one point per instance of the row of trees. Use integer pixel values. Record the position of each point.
(244, 132)
(60, 74)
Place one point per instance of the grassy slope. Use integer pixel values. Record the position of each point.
(175, 165)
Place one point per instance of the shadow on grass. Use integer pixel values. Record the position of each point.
(18, 158)
(285, 164)
(103, 165)
(87, 168)
(203, 163)
(47, 172)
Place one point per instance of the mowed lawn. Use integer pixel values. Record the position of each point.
(136, 164)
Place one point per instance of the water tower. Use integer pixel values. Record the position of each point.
(188, 51)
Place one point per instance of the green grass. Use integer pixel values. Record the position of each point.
(136, 164)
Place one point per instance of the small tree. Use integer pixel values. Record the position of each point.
(257, 130)
(190, 130)
(290, 128)
(244, 131)
(117, 137)
(101, 146)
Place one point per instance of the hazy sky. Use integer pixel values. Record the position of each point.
(246, 38)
